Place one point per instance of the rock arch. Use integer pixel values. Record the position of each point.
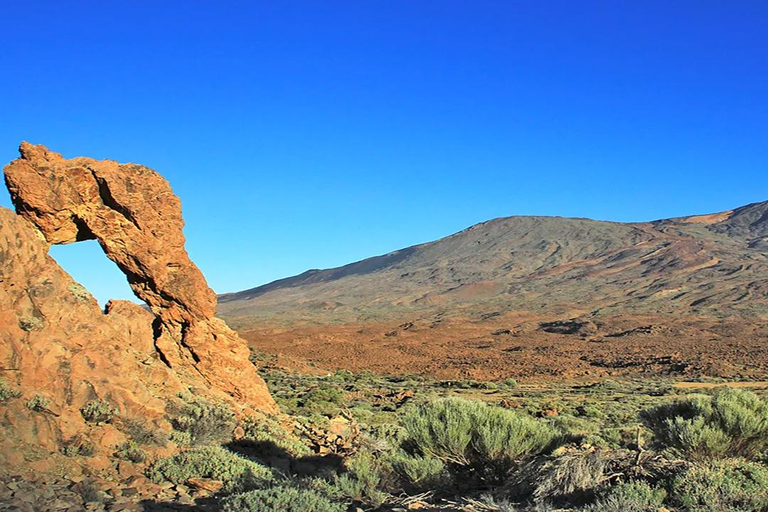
(134, 215)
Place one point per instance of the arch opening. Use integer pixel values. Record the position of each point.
(86, 262)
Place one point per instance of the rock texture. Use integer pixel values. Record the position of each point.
(133, 213)
(57, 343)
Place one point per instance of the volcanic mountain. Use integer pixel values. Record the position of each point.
(662, 284)
(716, 265)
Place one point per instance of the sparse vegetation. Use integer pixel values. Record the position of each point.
(199, 421)
(474, 439)
(143, 433)
(131, 451)
(78, 446)
(7, 392)
(272, 436)
(97, 411)
(38, 403)
(31, 323)
(363, 480)
(237, 473)
(636, 496)
(733, 485)
(731, 423)
(611, 447)
(281, 499)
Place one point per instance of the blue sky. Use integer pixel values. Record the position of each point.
(311, 134)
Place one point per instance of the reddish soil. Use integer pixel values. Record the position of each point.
(517, 346)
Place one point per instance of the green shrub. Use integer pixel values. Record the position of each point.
(325, 400)
(198, 421)
(213, 462)
(471, 436)
(732, 484)
(6, 392)
(268, 432)
(130, 451)
(141, 432)
(38, 403)
(280, 499)
(422, 473)
(97, 411)
(732, 423)
(364, 477)
(637, 496)
(78, 446)
(510, 383)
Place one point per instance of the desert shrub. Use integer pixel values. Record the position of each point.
(569, 476)
(422, 473)
(38, 403)
(280, 499)
(509, 383)
(268, 432)
(363, 478)
(588, 410)
(7, 392)
(472, 437)
(131, 451)
(342, 376)
(732, 423)
(78, 446)
(636, 496)
(31, 323)
(97, 411)
(324, 400)
(198, 421)
(142, 433)
(213, 462)
(732, 484)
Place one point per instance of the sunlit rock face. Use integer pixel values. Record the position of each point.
(56, 342)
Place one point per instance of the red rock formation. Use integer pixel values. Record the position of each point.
(129, 209)
(136, 218)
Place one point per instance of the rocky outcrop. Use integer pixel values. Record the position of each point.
(55, 340)
(133, 213)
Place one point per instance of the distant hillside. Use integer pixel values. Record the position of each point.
(714, 265)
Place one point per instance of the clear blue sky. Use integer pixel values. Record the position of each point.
(312, 134)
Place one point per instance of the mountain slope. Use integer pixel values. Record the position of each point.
(712, 265)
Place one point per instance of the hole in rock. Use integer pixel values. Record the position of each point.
(89, 266)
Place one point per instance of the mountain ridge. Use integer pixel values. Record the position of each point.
(600, 265)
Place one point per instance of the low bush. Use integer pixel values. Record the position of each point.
(510, 383)
(473, 438)
(38, 403)
(364, 477)
(734, 485)
(213, 462)
(272, 435)
(143, 433)
(198, 421)
(97, 411)
(637, 496)
(7, 392)
(280, 499)
(731, 423)
(78, 446)
(131, 451)
(324, 400)
(421, 473)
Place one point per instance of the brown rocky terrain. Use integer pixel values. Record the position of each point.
(59, 350)
(687, 294)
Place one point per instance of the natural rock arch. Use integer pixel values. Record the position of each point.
(134, 215)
